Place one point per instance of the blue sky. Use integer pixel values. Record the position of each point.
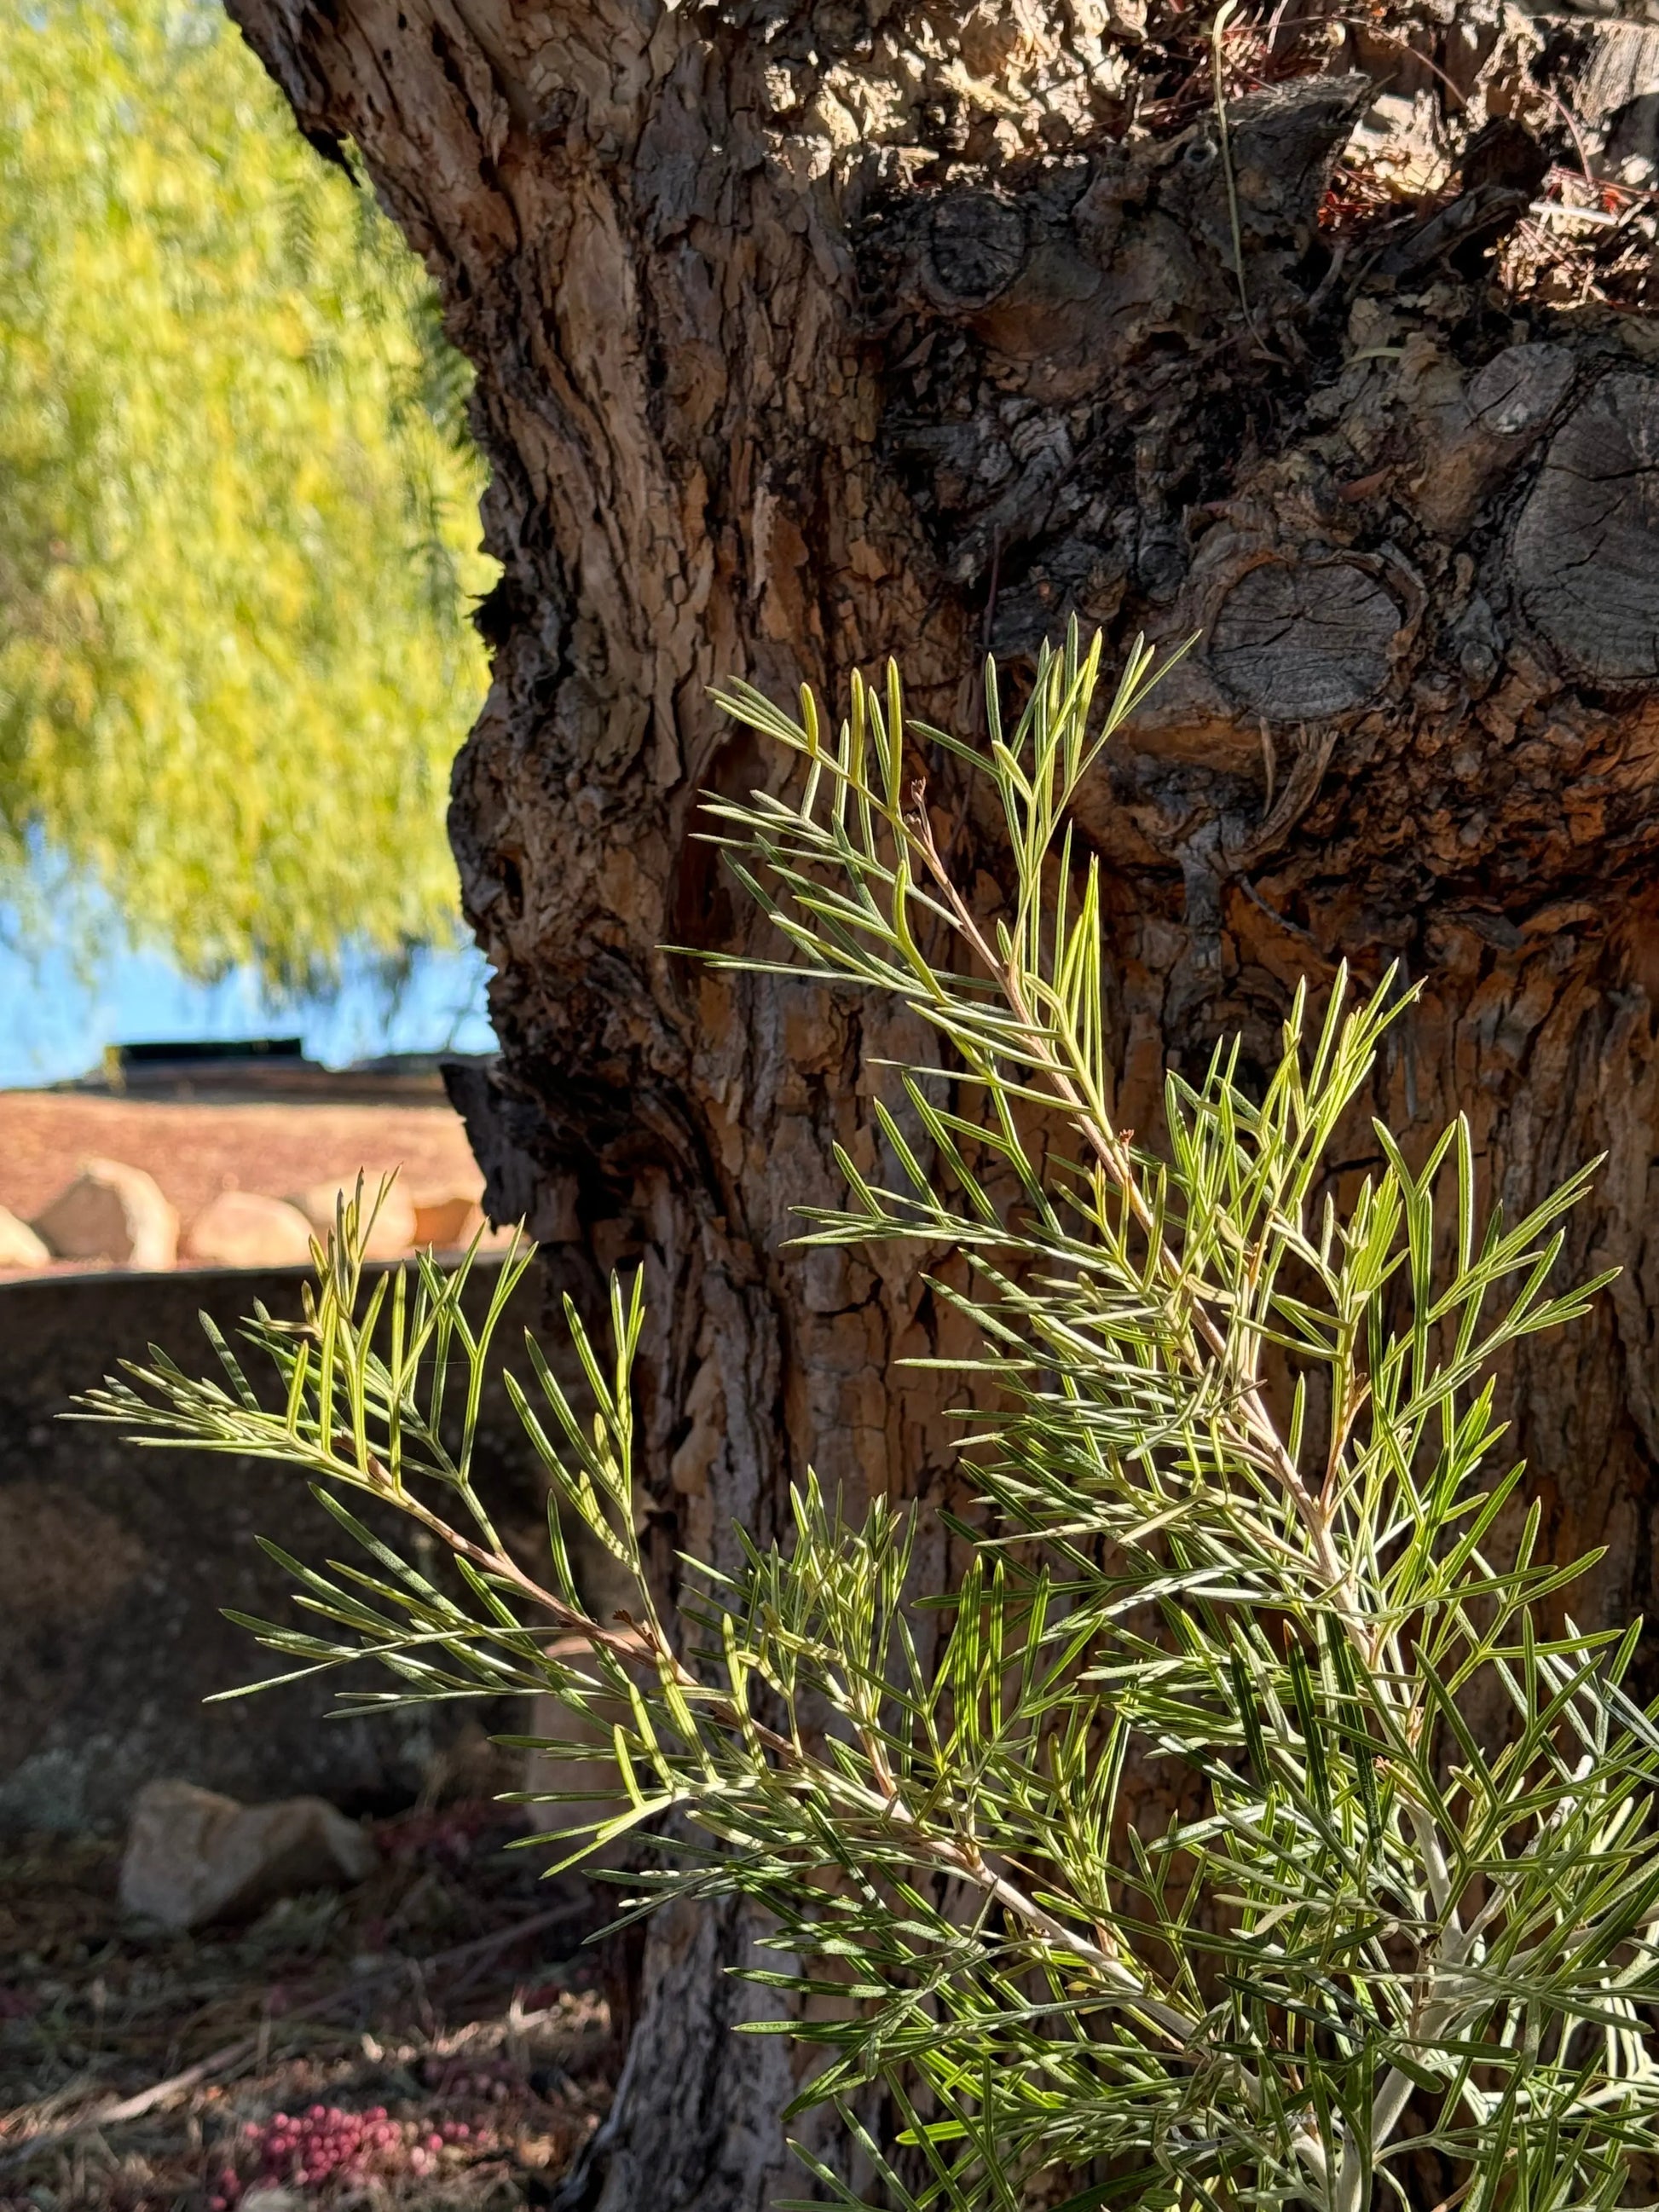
(54, 1024)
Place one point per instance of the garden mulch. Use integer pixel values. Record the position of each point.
(440, 2036)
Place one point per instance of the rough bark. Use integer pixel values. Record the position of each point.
(811, 330)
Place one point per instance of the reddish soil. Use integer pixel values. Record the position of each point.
(194, 1151)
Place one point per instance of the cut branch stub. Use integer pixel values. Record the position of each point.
(1586, 549)
(1296, 641)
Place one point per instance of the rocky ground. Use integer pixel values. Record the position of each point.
(439, 2035)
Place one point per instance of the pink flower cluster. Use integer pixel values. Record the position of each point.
(307, 2149)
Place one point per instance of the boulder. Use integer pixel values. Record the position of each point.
(393, 1232)
(194, 1856)
(448, 1221)
(18, 1245)
(111, 1212)
(245, 1228)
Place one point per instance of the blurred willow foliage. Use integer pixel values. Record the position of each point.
(237, 537)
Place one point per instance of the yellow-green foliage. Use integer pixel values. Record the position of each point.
(239, 509)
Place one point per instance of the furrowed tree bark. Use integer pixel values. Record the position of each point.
(809, 331)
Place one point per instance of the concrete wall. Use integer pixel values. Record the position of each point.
(115, 1563)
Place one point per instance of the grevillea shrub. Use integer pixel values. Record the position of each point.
(1241, 1512)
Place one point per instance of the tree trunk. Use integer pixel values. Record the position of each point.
(809, 331)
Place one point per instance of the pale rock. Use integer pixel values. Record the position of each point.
(194, 1856)
(18, 1245)
(245, 1228)
(393, 1232)
(111, 1212)
(448, 1221)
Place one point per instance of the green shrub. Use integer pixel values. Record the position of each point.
(1240, 1515)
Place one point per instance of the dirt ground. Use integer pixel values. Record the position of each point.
(439, 2037)
(194, 1151)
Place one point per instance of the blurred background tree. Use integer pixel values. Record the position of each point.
(238, 536)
